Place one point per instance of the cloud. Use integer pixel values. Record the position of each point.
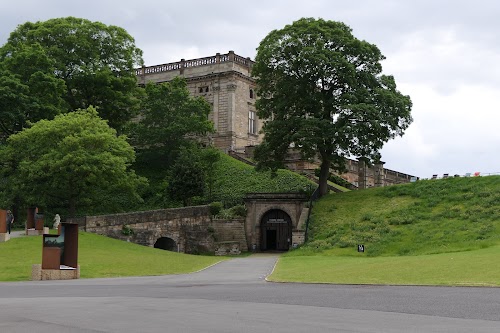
(444, 54)
(455, 133)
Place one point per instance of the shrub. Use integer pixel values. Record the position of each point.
(238, 211)
(127, 231)
(215, 208)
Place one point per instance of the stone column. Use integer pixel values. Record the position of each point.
(215, 110)
(362, 173)
(231, 107)
(181, 70)
(379, 174)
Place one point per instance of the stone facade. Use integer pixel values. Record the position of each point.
(191, 228)
(359, 174)
(258, 204)
(224, 81)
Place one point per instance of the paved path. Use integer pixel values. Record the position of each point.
(233, 296)
(17, 233)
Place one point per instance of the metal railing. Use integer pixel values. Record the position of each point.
(314, 197)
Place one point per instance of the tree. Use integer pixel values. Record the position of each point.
(187, 178)
(29, 90)
(96, 63)
(171, 120)
(73, 161)
(321, 91)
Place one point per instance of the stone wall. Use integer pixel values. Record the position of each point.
(230, 230)
(358, 172)
(191, 228)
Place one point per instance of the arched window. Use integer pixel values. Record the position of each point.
(251, 93)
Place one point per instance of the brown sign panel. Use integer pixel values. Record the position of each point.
(3, 221)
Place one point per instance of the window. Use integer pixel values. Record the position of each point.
(251, 93)
(251, 122)
(203, 89)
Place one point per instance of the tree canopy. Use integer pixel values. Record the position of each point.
(73, 161)
(83, 63)
(322, 91)
(187, 177)
(29, 90)
(171, 119)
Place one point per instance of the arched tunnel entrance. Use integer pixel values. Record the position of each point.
(276, 231)
(166, 243)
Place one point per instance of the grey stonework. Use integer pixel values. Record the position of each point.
(225, 81)
(191, 228)
(194, 231)
(258, 204)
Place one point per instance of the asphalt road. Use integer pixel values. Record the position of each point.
(233, 296)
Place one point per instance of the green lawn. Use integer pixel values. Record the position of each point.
(432, 232)
(470, 268)
(99, 256)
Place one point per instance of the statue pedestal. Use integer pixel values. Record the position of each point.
(33, 232)
(64, 273)
(4, 237)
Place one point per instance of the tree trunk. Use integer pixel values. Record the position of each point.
(323, 177)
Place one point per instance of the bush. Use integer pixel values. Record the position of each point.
(127, 231)
(239, 211)
(215, 208)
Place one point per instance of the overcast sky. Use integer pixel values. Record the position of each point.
(444, 54)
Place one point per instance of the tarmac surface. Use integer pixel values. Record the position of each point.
(233, 296)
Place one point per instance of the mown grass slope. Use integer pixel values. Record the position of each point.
(100, 256)
(433, 232)
(425, 217)
(234, 179)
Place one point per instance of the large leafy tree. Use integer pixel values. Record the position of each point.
(95, 61)
(171, 119)
(29, 90)
(73, 161)
(322, 92)
(187, 177)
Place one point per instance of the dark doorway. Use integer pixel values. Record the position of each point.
(276, 231)
(166, 243)
(271, 239)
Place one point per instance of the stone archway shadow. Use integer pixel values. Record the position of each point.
(166, 243)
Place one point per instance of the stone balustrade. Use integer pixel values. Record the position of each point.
(180, 65)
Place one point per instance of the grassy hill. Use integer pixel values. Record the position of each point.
(425, 217)
(432, 232)
(234, 179)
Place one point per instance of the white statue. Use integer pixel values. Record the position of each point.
(57, 221)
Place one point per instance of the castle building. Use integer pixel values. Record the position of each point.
(225, 81)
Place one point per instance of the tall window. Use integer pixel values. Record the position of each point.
(251, 93)
(251, 122)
